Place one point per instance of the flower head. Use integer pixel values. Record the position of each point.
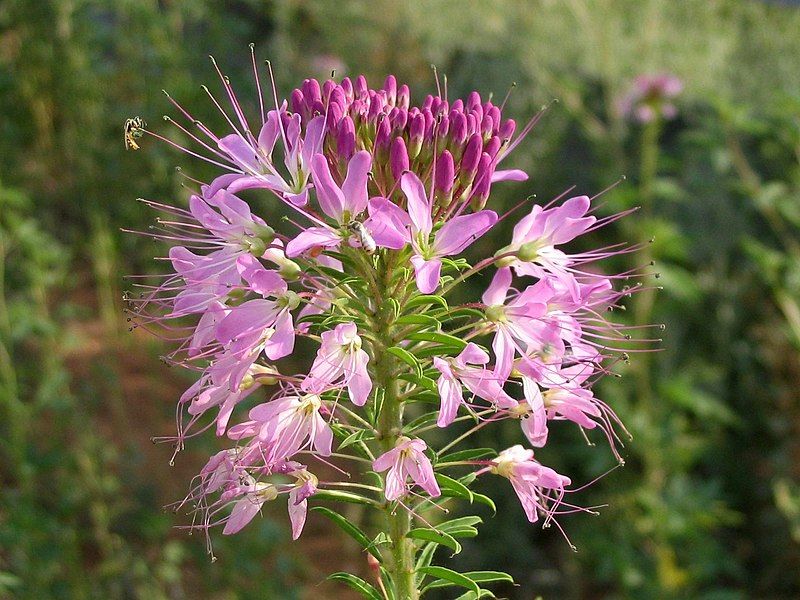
(539, 488)
(407, 459)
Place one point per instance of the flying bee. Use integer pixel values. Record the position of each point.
(364, 238)
(133, 131)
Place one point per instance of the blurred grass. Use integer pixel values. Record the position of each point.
(707, 504)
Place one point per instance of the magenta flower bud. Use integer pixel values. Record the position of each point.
(298, 104)
(507, 129)
(390, 86)
(428, 103)
(346, 138)
(311, 91)
(472, 125)
(487, 127)
(416, 131)
(403, 97)
(436, 104)
(445, 172)
(327, 88)
(375, 106)
(398, 118)
(458, 105)
(477, 112)
(362, 89)
(347, 88)
(472, 155)
(483, 183)
(444, 126)
(383, 135)
(317, 108)
(359, 108)
(429, 121)
(458, 127)
(398, 157)
(473, 101)
(493, 146)
(337, 96)
(494, 113)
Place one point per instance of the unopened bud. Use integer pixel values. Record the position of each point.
(289, 270)
(445, 172)
(472, 156)
(507, 129)
(346, 138)
(398, 157)
(390, 86)
(403, 97)
(416, 131)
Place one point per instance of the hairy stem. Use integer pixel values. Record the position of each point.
(390, 424)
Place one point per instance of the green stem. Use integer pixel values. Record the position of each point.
(390, 424)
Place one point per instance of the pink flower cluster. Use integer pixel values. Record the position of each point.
(652, 97)
(397, 191)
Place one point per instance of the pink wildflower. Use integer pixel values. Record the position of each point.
(480, 381)
(407, 459)
(539, 489)
(340, 357)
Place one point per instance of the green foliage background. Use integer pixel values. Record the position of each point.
(708, 505)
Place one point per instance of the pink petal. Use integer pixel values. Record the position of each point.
(427, 273)
(354, 188)
(323, 436)
(312, 143)
(504, 350)
(221, 182)
(473, 354)
(281, 343)
(385, 460)
(385, 225)
(240, 151)
(457, 234)
(313, 237)
(452, 397)
(330, 197)
(360, 384)
(418, 207)
(297, 513)
(496, 292)
(243, 512)
(269, 133)
(509, 175)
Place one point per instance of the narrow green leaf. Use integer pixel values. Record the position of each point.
(423, 320)
(338, 496)
(439, 338)
(357, 436)
(358, 584)
(480, 498)
(474, 596)
(451, 487)
(437, 537)
(426, 299)
(421, 421)
(426, 556)
(350, 529)
(406, 357)
(461, 527)
(451, 576)
(423, 382)
(425, 397)
(488, 576)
